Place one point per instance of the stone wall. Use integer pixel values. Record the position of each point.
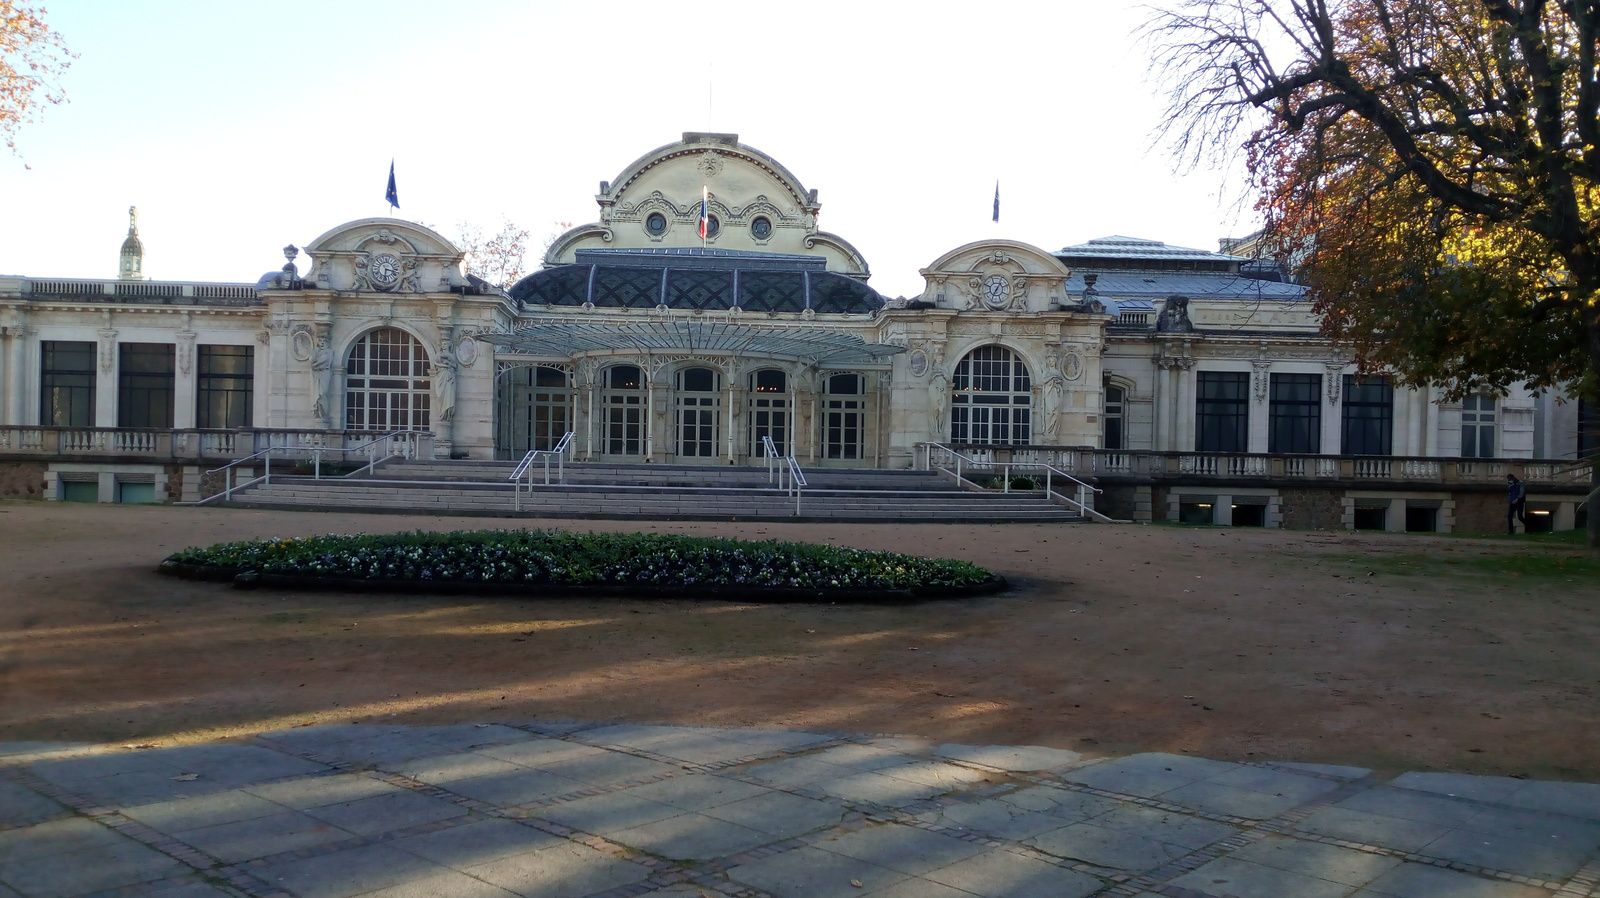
(22, 479)
(1117, 501)
(1311, 509)
(1480, 512)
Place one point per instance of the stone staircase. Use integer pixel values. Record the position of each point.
(652, 492)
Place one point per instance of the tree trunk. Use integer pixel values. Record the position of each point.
(1592, 322)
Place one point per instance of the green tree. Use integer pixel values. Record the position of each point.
(1436, 162)
(32, 59)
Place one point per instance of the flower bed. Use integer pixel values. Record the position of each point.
(554, 562)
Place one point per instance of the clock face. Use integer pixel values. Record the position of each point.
(996, 291)
(384, 270)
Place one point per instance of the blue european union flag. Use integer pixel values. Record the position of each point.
(392, 195)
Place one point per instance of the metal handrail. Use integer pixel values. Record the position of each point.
(1084, 491)
(230, 477)
(775, 465)
(525, 467)
(797, 481)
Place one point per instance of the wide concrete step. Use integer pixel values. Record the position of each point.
(603, 492)
(709, 475)
(400, 500)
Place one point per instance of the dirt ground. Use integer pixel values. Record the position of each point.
(1232, 644)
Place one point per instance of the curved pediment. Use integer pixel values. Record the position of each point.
(755, 204)
(385, 255)
(997, 276)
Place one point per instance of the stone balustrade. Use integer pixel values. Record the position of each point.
(141, 444)
(1148, 465)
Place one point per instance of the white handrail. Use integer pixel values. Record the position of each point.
(408, 450)
(775, 465)
(1085, 490)
(525, 467)
(797, 481)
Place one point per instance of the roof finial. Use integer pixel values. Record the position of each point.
(130, 263)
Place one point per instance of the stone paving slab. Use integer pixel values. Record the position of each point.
(624, 810)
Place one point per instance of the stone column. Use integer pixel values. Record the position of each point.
(1430, 433)
(1260, 406)
(184, 381)
(1185, 406)
(105, 380)
(16, 375)
(1161, 440)
(1332, 419)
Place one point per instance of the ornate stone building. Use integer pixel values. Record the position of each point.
(656, 335)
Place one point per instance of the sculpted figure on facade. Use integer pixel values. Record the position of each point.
(1055, 400)
(321, 379)
(444, 383)
(1174, 317)
(938, 401)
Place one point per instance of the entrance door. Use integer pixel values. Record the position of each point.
(622, 412)
(535, 410)
(698, 403)
(843, 417)
(769, 411)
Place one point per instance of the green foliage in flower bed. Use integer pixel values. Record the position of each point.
(555, 558)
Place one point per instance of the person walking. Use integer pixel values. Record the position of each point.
(1516, 504)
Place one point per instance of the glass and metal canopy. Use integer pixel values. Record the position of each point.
(811, 345)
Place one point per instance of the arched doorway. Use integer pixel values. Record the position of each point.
(386, 386)
(534, 409)
(697, 407)
(622, 412)
(769, 411)
(991, 398)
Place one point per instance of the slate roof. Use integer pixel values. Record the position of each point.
(1119, 247)
(703, 280)
(1195, 285)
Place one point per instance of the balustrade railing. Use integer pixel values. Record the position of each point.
(168, 444)
(1264, 466)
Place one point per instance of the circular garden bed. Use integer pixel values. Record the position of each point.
(539, 562)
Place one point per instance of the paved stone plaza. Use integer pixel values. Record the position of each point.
(618, 811)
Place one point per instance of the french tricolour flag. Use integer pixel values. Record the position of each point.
(705, 211)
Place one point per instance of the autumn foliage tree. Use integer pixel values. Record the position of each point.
(1435, 162)
(499, 258)
(32, 59)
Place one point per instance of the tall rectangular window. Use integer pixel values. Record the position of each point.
(66, 384)
(144, 384)
(224, 387)
(1368, 415)
(1588, 429)
(1477, 427)
(1295, 413)
(1222, 411)
(1112, 421)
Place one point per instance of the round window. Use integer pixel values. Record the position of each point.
(712, 226)
(655, 223)
(761, 227)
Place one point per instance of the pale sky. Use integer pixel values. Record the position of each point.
(239, 127)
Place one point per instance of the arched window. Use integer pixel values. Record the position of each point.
(1111, 433)
(535, 409)
(698, 404)
(769, 411)
(622, 401)
(843, 405)
(992, 399)
(387, 387)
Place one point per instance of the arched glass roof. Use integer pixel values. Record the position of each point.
(808, 344)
